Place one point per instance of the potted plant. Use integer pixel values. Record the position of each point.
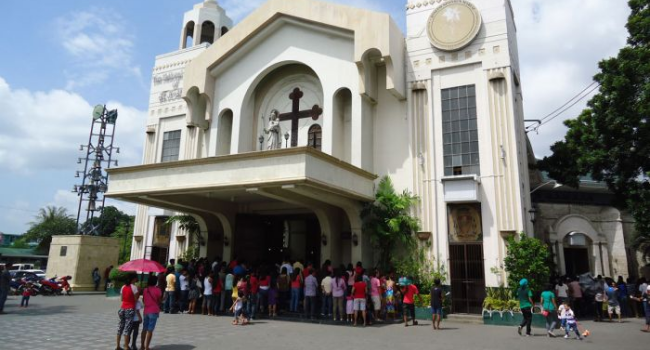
(118, 279)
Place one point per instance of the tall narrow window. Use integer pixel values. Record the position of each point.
(315, 136)
(171, 146)
(460, 131)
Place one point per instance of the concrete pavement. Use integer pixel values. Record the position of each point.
(89, 322)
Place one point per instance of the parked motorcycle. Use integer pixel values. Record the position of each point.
(65, 285)
(51, 287)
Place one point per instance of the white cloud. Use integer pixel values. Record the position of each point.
(98, 42)
(560, 45)
(42, 131)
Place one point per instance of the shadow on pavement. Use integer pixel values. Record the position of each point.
(37, 310)
(174, 347)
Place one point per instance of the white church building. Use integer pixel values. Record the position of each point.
(275, 131)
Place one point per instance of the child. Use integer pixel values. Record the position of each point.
(137, 319)
(570, 319)
(349, 305)
(27, 292)
(561, 315)
(238, 309)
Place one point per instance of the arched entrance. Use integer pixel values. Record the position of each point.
(577, 254)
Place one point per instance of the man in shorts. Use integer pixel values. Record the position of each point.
(613, 304)
(359, 295)
(437, 298)
(409, 291)
(375, 295)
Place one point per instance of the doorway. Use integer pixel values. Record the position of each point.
(576, 261)
(269, 238)
(466, 269)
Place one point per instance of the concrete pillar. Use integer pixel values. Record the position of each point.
(181, 45)
(197, 33)
(330, 224)
(228, 239)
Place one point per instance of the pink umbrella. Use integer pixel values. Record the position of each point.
(142, 265)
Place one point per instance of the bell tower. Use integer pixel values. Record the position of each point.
(205, 23)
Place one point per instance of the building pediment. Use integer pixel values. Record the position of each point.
(374, 33)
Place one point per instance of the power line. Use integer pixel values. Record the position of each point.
(569, 101)
(566, 106)
(573, 104)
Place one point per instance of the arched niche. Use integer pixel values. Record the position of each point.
(207, 32)
(342, 125)
(270, 91)
(224, 132)
(368, 70)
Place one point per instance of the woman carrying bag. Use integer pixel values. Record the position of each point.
(549, 309)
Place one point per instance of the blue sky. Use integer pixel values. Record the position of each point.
(62, 57)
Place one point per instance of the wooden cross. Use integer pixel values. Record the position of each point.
(296, 114)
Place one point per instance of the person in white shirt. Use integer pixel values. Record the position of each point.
(207, 294)
(137, 320)
(561, 291)
(287, 264)
(184, 282)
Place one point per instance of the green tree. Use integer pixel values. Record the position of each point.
(389, 223)
(527, 258)
(50, 221)
(124, 233)
(610, 139)
(106, 224)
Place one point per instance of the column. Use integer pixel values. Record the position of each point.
(198, 27)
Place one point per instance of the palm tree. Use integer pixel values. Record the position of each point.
(189, 224)
(50, 221)
(389, 222)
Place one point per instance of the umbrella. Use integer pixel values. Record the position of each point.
(142, 265)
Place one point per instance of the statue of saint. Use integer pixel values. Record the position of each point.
(274, 138)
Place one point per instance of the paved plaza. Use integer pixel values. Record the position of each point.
(89, 322)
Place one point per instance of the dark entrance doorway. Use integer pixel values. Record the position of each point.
(576, 261)
(466, 269)
(269, 238)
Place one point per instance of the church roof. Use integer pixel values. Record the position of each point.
(372, 30)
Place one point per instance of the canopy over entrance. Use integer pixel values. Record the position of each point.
(283, 182)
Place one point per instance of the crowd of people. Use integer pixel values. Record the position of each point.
(566, 300)
(345, 294)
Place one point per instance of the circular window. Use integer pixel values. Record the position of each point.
(454, 25)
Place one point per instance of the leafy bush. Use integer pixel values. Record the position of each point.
(500, 299)
(119, 278)
(423, 269)
(527, 258)
(423, 301)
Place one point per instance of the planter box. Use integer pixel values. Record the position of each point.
(511, 320)
(112, 292)
(424, 313)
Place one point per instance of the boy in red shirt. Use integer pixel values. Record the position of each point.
(409, 292)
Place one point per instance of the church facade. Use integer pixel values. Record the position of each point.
(274, 132)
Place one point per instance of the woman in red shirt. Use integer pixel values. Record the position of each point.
(152, 296)
(296, 284)
(130, 294)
